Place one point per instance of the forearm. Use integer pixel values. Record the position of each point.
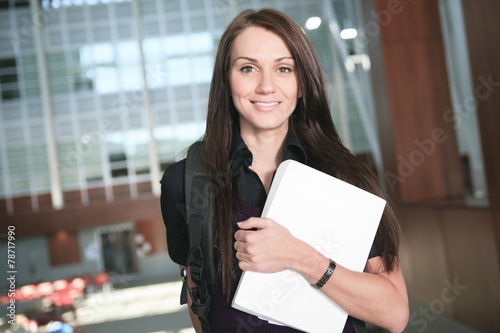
(376, 296)
(368, 297)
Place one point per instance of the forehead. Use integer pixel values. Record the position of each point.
(258, 42)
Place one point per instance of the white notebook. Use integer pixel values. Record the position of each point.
(338, 219)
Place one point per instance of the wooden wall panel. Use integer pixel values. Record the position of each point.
(453, 246)
(427, 160)
(473, 262)
(146, 228)
(404, 20)
(154, 232)
(442, 242)
(424, 258)
(64, 247)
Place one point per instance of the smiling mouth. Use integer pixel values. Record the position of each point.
(265, 104)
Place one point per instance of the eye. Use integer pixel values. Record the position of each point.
(247, 69)
(284, 70)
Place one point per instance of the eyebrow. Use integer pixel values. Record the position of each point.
(256, 61)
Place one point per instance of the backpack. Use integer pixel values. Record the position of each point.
(199, 219)
(199, 198)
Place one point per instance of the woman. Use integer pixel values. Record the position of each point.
(268, 103)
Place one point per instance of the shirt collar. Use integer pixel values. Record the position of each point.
(292, 150)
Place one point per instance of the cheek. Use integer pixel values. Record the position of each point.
(296, 89)
(290, 88)
(238, 87)
(237, 93)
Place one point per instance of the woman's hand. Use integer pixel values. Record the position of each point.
(375, 296)
(269, 249)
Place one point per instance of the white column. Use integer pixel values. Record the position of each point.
(462, 91)
(154, 162)
(43, 80)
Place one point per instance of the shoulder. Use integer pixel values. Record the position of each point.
(172, 202)
(173, 173)
(172, 183)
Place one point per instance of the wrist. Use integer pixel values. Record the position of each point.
(309, 263)
(326, 276)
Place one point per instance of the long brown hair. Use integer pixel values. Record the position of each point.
(311, 122)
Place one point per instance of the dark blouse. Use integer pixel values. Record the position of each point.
(223, 318)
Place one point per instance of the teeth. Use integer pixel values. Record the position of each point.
(266, 104)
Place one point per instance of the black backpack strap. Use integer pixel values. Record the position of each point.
(199, 219)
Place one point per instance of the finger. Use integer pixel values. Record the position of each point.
(254, 222)
(245, 266)
(242, 256)
(242, 235)
(239, 246)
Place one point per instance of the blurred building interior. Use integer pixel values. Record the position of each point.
(99, 96)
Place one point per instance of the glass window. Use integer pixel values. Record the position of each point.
(8, 79)
(15, 3)
(96, 81)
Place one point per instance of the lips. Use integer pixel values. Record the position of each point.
(265, 104)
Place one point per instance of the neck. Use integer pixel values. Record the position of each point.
(266, 147)
(267, 152)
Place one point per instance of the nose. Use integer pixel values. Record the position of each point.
(266, 84)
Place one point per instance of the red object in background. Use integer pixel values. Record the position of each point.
(4, 299)
(101, 279)
(75, 293)
(45, 288)
(65, 297)
(62, 298)
(28, 292)
(32, 325)
(78, 283)
(60, 292)
(60, 285)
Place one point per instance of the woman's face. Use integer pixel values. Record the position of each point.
(264, 80)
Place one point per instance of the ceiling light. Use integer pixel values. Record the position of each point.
(313, 23)
(350, 33)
